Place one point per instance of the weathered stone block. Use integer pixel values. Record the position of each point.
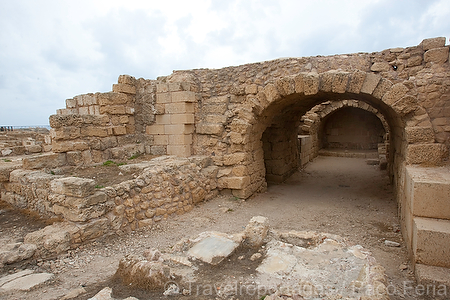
(179, 150)
(431, 154)
(179, 108)
(419, 135)
(71, 103)
(382, 88)
(180, 139)
(205, 128)
(395, 93)
(428, 191)
(113, 109)
(382, 66)
(437, 55)
(47, 160)
(431, 242)
(119, 130)
(311, 84)
(124, 88)
(437, 42)
(65, 133)
(161, 139)
(179, 129)
(113, 98)
(285, 86)
(5, 170)
(74, 158)
(183, 96)
(182, 119)
(94, 131)
(356, 82)
(73, 186)
(235, 158)
(370, 83)
(235, 182)
(155, 129)
(65, 146)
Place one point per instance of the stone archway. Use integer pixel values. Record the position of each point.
(277, 106)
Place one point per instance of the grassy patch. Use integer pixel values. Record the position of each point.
(136, 155)
(99, 186)
(6, 160)
(110, 163)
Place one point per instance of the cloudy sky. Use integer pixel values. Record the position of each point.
(51, 50)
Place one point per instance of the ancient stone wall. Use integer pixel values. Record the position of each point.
(163, 186)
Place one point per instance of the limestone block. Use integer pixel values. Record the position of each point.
(235, 158)
(382, 66)
(161, 139)
(271, 92)
(215, 108)
(183, 96)
(340, 82)
(436, 277)
(78, 214)
(382, 88)
(213, 249)
(163, 119)
(285, 86)
(53, 239)
(437, 42)
(179, 139)
(124, 88)
(405, 105)
(205, 128)
(326, 81)
(162, 98)
(299, 86)
(119, 130)
(126, 79)
(395, 93)
(33, 149)
(311, 84)
(431, 242)
(94, 131)
(113, 109)
(74, 158)
(179, 108)
(71, 103)
(428, 192)
(73, 186)
(155, 129)
(113, 98)
(356, 82)
(425, 153)
(182, 118)
(179, 129)
(47, 160)
(65, 146)
(5, 170)
(65, 133)
(414, 61)
(419, 135)
(437, 55)
(179, 150)
(256, 231)
(234, 182)
(251, 89)
(370, 83)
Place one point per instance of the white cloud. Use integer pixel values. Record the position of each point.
(51, 50)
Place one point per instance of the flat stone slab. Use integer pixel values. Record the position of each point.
(213, 249)
(24, 283)
(11, 277)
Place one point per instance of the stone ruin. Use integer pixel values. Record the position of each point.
(237, 128)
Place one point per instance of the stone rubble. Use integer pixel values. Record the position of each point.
(289, 264)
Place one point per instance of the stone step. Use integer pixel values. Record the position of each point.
(431, 242)
(428, 191)
(434, 282)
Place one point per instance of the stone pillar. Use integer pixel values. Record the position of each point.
(173, 128)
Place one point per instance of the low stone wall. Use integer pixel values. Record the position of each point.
(165, 186)
(24, 142)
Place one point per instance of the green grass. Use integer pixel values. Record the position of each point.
(110, 163)
(99, 186)
(6, 160)
(136, 155)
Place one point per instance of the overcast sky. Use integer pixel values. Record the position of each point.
(57, 49)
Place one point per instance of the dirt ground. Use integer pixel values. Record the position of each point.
(343, 196)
